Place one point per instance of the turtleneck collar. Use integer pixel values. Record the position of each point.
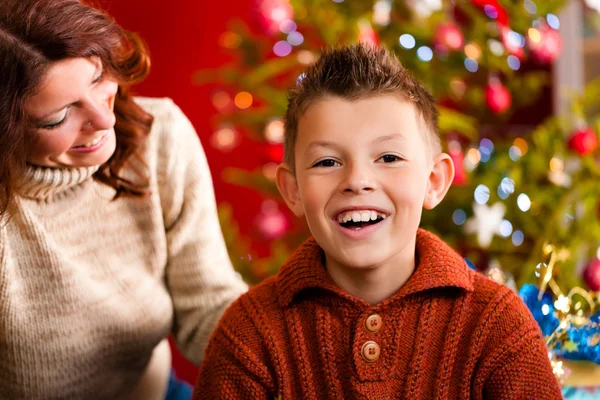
(41, 183)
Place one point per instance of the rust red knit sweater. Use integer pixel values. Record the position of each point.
(448, 333)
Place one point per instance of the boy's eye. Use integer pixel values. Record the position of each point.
(389, 158)
(327, 163)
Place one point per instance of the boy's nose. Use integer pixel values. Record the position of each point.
(357, 182)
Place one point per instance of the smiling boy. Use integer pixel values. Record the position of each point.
(371, 307)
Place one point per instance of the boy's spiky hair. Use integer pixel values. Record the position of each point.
(355, 72)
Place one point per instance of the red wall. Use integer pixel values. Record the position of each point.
(182, 36)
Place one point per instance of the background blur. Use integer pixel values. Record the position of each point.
(517, 89)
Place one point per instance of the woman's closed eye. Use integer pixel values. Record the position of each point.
(54, 125)
(328, 162)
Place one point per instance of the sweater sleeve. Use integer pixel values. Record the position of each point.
(518, 366)
(199, 274)
(234, 367)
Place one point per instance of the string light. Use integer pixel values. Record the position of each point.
(518, 238)
(243, 100)
(274, 131)
(425, 53)
(473, 51)
(523, 202)
(225, 138)
(459, 217)
(471, 65)
(282, 48)
(407, 41)
(482, 194)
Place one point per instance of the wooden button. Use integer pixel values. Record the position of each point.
(370, 351)
(373, 323)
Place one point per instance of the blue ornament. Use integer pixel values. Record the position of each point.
(542, 310)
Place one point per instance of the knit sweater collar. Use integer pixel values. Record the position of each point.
(42, 182)
(439, 266)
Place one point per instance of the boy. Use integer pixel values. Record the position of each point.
(372, 307)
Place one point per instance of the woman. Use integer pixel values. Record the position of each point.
(109, 236)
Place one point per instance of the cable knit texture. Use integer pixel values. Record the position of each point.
(448, 333)
(90, 287)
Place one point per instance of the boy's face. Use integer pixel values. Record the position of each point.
(363, 175)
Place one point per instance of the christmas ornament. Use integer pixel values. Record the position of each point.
(591, 275)
(583, 141)
(485, 222)
(497, 96)
(271, 13)
(544, 43)
(455, 152)
(366, 34)
(271, 222)
(495, 272)
(449, 36)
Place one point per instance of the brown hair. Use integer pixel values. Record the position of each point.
(33, 35)
(354, 72)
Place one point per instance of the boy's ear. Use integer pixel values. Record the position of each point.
(440, 179)
(288, 188)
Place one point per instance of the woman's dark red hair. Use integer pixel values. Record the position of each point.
(33, 35)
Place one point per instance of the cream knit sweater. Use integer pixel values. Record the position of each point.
(90, 288)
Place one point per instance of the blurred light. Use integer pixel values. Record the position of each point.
(514, 153)
(518, 238)
(282, 48)
(221, 100)
(486, 145)
(530, 6)
(598, 253)
(243, 100)
(269, 170)
(288, 26)
(490, 11)
(274, 131)
(306, 57)
(338, 1)
(300, 78)
(522, 145)
(485, 157)
(230, 40)
(224, 139)
(534, 35)
(381, 12)
(474, 156)
(424, 53)
(506, 188)
(295, 39)
(556, 165)
(471, 65)
(505, 228)
(513, 62)
(496, 47)
(458, 87)
(516, 39)
(459, 217)
(553, 21)
(473, 51)
(545, 309)
(482, 194)
(407, 41)
(523, 202)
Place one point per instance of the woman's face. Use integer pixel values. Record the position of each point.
(73, 116)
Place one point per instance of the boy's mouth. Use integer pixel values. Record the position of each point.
(358, 219)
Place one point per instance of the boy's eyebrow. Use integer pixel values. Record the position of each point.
(319, 143)
(393, 136)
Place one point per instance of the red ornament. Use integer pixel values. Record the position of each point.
(449, 36)
(546, 45)
(591, 275)
(366, 33)
(583, 141)
(455, 152)
(275, 152)
(497, 97)
(493, 7)
(271, 13)
(271, 222)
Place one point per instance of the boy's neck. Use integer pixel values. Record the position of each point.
(375, 284)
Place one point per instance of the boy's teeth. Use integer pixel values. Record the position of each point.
(360, 216)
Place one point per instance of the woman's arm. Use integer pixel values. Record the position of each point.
(199, 274)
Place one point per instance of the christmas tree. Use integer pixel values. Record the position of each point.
(525, 195)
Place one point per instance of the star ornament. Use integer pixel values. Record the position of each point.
(485, 222)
